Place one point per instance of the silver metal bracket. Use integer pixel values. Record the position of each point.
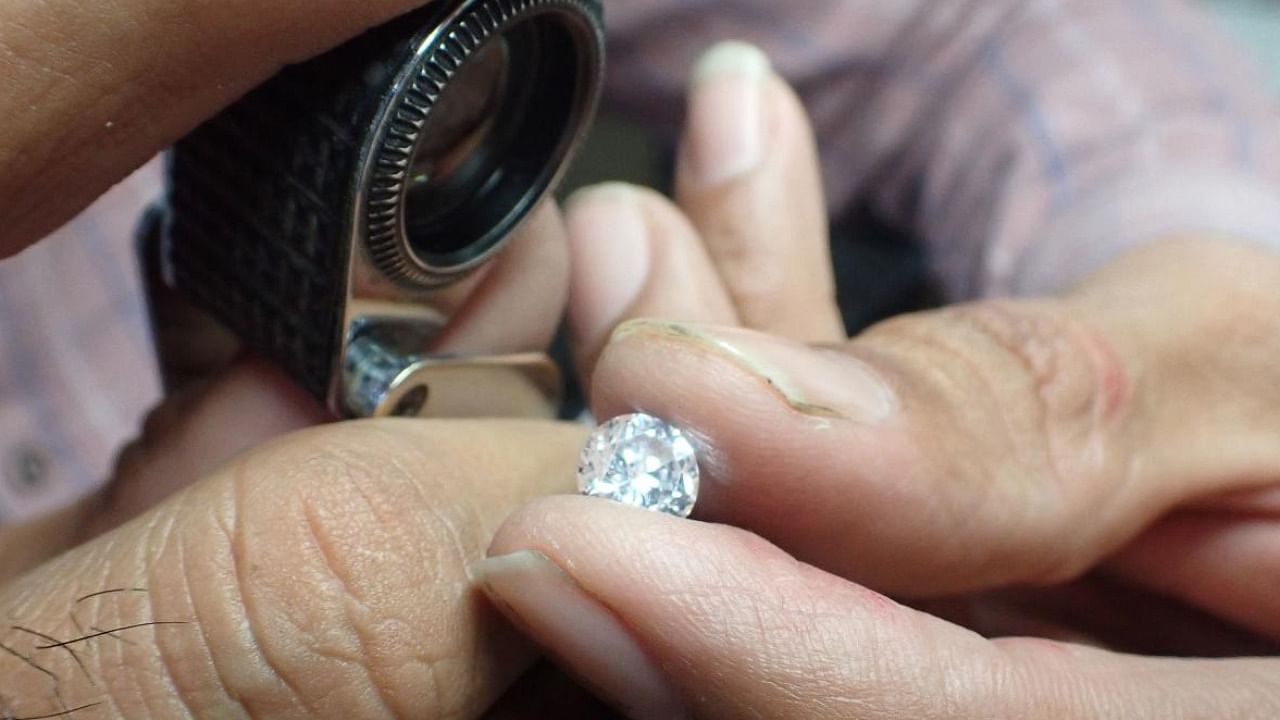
(383, 377)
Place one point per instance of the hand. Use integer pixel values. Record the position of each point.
(1112, 452)
(291, 572)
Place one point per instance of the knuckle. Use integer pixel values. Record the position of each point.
(1038, 374)
(328, 585)
(1031, 399)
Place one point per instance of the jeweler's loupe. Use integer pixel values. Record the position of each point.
(328, 217)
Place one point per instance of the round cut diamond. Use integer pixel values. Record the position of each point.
(642, 461)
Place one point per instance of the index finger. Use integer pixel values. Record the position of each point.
(90, 91)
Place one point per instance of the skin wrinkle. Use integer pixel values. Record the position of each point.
(158, 526)
(92, 655)
(963, 506)
(456, 539)
(315, 530)
(395, 471)
(1054, 349)
(167, 659)
(313, 644)
(228, 537)
(790, 599)
(963, 325)
(1000, 324)
(54, 679)
(240, 481)
(132, 676)
(907, 338)
(432, 664)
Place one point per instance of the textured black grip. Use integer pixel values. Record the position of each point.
(261, 200)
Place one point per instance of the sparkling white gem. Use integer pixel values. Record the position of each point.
(642, 461)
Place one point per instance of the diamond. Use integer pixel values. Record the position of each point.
(641, 461)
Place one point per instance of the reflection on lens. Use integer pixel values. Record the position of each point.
(495, 138)
(450, 163)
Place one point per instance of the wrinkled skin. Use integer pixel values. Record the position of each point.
(1112, 451)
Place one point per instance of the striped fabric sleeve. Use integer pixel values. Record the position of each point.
(1026, 141)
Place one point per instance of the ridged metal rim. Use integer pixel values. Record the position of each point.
(387, 184)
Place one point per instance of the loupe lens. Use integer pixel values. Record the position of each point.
(458, 140)
(494, 140)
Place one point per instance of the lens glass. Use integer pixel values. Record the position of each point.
(494, 140)
(455, 155)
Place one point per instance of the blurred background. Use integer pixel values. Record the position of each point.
(1257, 22)
(863, 248)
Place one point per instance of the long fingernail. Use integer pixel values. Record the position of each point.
(548, 605)
(725, 135)
(818, 381)
(611, 257)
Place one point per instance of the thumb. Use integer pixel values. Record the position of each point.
(998, 443)
(673, 619)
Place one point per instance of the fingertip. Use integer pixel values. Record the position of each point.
(586, 636)
(541, 521)
(635, 254)
(518, 304)
(632, 600)
(725, 135)
(610, 258)
(730, 57)
(749, 178)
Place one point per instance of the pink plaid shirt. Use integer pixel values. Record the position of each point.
(1026, 141)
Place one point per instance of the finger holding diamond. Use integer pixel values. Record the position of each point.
(993, 444)
(674, 619)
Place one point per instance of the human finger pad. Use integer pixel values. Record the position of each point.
(324, 575)
(819, 462)
(727, 609)
(740, 629)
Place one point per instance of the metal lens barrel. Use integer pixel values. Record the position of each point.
(496, 138)
(377, 174)
(478, 133)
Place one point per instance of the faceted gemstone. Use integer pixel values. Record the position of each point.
(642, 461)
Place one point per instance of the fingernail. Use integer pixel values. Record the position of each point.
(725, 135)
(814, 380)
(550, 606)
(610, 243)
